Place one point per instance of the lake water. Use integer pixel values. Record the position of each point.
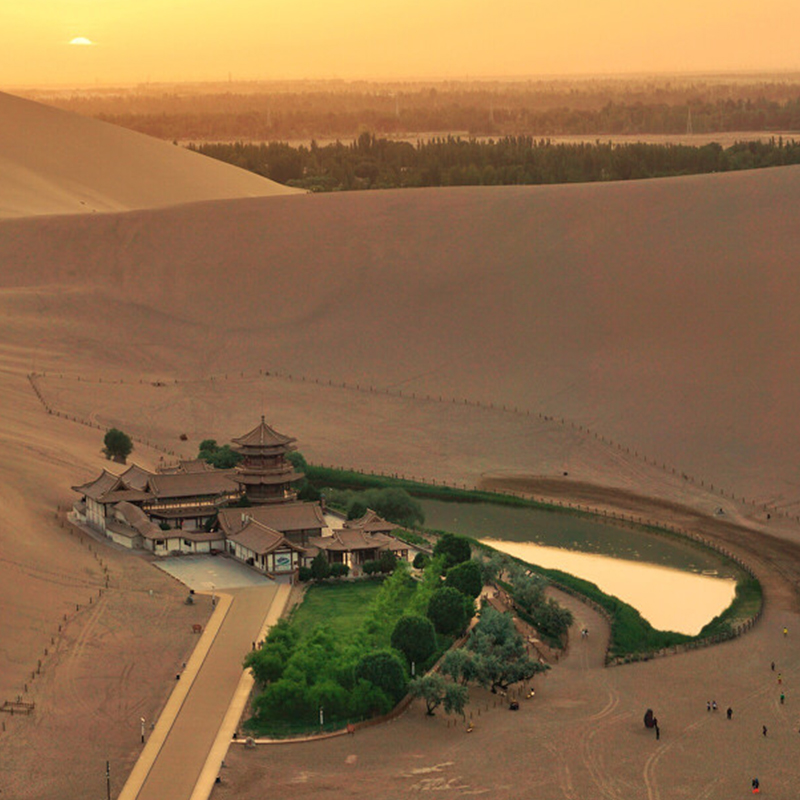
(673, 584)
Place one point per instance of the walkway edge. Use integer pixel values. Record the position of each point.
(230, 723)
(141, 769)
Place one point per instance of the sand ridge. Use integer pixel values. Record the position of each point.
(56, 162)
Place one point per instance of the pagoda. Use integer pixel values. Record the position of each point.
(264, 474)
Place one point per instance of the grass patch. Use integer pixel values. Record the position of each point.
(747, 602)
(341, 607)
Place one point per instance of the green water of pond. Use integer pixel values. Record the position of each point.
(674, 584)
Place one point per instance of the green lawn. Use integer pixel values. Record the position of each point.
(341, 607)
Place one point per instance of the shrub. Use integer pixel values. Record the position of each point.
(339, 570)
(420, 561)
(320, 569)
(304, 574)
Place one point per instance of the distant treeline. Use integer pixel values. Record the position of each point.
(370, 162)
(330, 110)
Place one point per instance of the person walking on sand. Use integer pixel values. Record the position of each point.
(714, 705)
(658, 730)
(785, 632)
(783, 697)
(729, 712)
(780, 678)
(763, 730)
(708, 705)
(756, 785)
(773, 666)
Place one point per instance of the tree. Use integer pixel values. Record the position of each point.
(528, 591)
(552, 619)
(449, 610)
(415, 637)
(395, 505)
(454, 664)
(420, 561)
(435, 691)
(356, 509)
(118, 445)
(466, 577)
(305, 491)
(268, 662)
(384, 670)
(219, 457)
(492, 567)
(498, 657)
(320, 569)
(455, 549)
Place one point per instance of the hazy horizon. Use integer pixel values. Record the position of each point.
(84, 42)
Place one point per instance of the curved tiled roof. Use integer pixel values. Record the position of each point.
(191, 484)
(103, 484)
(264, 436)
(260, 539)
(370, 523)
(281, 517)
(136, 477)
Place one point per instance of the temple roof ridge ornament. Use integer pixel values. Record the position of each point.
(264, 435)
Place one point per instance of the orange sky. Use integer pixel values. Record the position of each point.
(163, 40)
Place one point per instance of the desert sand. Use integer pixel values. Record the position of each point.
(52, 162)
(479, 334)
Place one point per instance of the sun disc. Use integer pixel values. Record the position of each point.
(81, 40)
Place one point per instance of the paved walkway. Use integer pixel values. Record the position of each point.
(180, 748)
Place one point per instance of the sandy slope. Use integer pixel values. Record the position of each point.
(55, 162)
(661, 313)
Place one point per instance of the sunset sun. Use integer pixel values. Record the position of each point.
(81, 40)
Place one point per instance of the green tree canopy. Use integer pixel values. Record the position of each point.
(466, 577)
(435, 691)
(118, 445)
(421, 561)
(393, 504)
(498, 657)
(219, 457)
(384, 670)
(356, 509)
(449, 610)
(268, 661)
(415, 637)
(455, 549)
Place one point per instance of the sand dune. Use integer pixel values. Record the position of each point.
(660, 313)
(54, 162)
